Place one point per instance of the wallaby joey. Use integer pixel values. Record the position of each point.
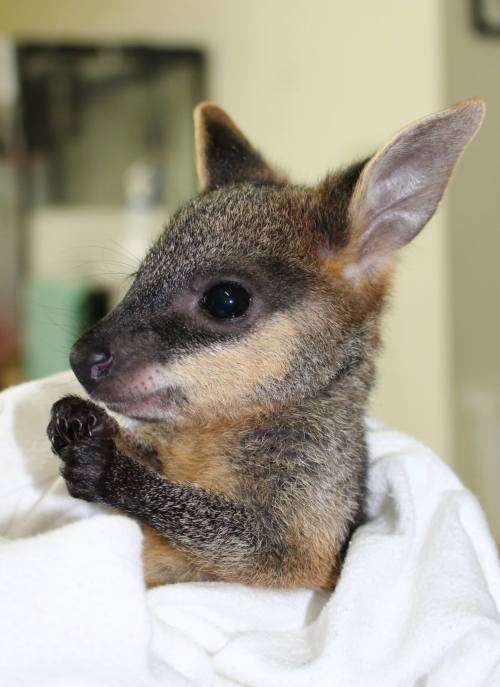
(237, 368)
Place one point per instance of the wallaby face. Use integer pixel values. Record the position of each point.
(245, 349)
(230, 308)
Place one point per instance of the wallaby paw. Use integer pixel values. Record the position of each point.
(74, 420)
(81, 434)
(86, 466)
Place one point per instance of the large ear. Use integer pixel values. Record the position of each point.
(400, 187)
(223, 153)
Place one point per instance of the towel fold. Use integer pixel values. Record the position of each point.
(417, 602)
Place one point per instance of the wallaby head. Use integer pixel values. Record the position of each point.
(261, 292)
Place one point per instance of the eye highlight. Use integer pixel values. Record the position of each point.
(226, 300)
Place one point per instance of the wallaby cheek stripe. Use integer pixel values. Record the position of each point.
(226, 375)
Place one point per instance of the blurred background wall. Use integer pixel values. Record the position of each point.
(471, 62)
(319, 83)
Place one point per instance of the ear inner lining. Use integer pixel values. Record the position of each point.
(401, 187)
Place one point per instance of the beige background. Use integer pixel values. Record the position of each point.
(318, 83)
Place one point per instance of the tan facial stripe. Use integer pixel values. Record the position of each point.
(231, 371)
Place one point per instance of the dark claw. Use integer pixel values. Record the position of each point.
(62, 421)
(52, 438)
(75, 429)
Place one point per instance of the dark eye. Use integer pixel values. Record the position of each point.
(226, 300)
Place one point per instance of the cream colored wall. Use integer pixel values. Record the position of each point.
(472, 63)
(315, 83)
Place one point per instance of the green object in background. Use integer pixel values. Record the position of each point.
(55, 313)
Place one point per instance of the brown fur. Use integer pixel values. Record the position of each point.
(248, 462)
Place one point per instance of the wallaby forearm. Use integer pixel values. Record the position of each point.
(195, 520)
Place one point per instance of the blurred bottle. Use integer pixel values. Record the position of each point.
(143, 193)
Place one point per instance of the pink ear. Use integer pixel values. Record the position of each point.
(400, 188)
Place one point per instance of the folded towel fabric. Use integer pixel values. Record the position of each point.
(417, 603)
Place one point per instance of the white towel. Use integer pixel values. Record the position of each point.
(417, 603)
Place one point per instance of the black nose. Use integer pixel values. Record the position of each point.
(91, 362)
(100, 363)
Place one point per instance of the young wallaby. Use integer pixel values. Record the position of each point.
(238, 365)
